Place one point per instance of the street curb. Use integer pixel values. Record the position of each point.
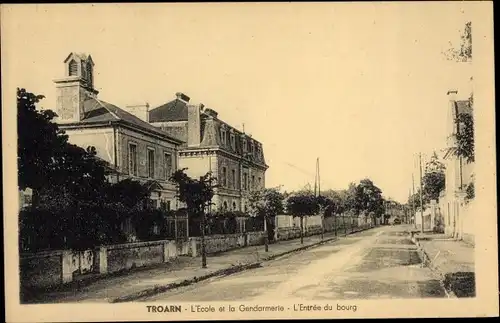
(221, 272)
(163, 288)
(428, 263)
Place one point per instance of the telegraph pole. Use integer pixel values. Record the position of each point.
(321, 210)
(413, 202)
(421, 191)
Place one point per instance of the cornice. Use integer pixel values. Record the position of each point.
(210, 151)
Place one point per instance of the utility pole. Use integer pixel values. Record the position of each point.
(321, 210)
(421, 191)
(413, 202)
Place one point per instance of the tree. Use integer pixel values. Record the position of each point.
(301, 205)
(462, 53)
(197, 195)
(325, 205)
(39, 141)
(414, 200)
(465, 137)
(368, 198)
(68, 181)
(433, 179)
(266, 203)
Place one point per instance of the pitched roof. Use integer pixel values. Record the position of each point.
(175, 110)
(100, 111)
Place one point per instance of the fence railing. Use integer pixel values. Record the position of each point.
(229, 225)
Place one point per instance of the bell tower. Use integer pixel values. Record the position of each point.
(76, 87)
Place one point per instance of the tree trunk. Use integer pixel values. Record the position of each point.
(301, 230)
(203, 249)
(266, 237)
(335, 223)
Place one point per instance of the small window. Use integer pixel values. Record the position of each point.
(132, 159)
(165, 205)
(253, 182)
(233, 176)
(73, 68)
(168, 165)
(151, 163)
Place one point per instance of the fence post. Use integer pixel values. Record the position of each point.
(67, 273)
(103, 260)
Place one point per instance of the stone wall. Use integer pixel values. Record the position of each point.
(41, 269)
(53, 268)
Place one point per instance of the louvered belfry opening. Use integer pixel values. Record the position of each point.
(89, 75)
(73, 68)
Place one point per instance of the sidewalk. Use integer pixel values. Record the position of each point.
(453, 260)
(180, 272)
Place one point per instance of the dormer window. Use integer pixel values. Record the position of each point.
(73, 68)
(245, 147)
(223, 136)
(233, 143)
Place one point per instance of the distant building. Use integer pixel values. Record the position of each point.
(132, 147)
(459, 172)
(210, 144)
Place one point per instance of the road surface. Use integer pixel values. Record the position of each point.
(378, 263)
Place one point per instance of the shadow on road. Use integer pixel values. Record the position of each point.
(463, 284)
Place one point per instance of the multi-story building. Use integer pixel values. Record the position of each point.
(459, 172)
(132, 147)
(233, 157)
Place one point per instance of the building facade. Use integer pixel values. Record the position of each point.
(458, 176)
(132, 147)
(233, 157)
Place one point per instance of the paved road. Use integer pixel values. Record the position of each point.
(378, 263)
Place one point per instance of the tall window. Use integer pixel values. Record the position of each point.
(233, 176)
(224, 176)
(244, 146)
(89, 74)
(233, 144)
(132, 159)
(165, 205)
(73, 68)
(259, 180)
(253, 182)
(223, 136)
(151, 163)
(245, 181)
(168, 165)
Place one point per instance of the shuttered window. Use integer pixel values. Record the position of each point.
(73, 68)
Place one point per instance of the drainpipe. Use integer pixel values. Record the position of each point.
(115, 152)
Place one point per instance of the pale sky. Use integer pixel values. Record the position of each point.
(362, 86)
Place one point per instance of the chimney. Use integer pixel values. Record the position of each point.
(181, 96)
(141, 111)
(452, 95)
(211, 113)
(194, 125)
